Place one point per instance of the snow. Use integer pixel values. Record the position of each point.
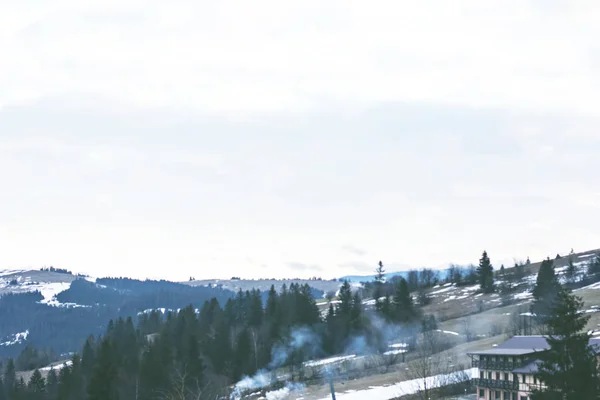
(522, 296)
(394, 352)
(399, 389)
(397, 345)
(586, 255)
(326, 361)
(57, 367)
(450, 298)
(278, 394)
(444, 290)
(17, 338)
(50, 290)
(6, 272)
(449, 332)
(592, 286)
(527, 314)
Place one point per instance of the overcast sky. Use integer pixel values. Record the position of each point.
(296, 138)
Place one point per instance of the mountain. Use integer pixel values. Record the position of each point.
(59, 310)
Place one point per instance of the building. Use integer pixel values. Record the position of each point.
(507, 371)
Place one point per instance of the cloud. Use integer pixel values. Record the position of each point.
(233, 57)
(354, 250)
(298, 266)
(202, 135)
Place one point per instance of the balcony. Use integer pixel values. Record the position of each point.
(496, 384)
(500, 365)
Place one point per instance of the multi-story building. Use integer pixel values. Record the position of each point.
(508, 371)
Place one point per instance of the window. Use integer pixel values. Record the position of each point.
(497, 376)
(514, 396)
(524, 381)
(489, 375)
(498, 394)
(481, 393)
(524, 398)
(506, 396)
(481, 375)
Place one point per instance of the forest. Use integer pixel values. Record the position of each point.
(201, 352)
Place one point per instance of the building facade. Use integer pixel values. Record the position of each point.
(508, 371)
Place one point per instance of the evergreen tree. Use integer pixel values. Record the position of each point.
(10, 378)
(594, 267)
(19, 391)
(544, 292)
(403, 304)
(378, 286)
(52, 384)
(345, 306)
(485, 274)
(102, 385)
(568, 369)
(37, 386)
(2, 390)
(571, 272)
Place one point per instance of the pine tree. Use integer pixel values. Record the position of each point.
(52, 384)
(378, 285)
(345, 306)
(485, 274)
(103, 380)
(594, 266)
(10, 378)
(571, 271)
(568, 369)
(403, 304)
(544, 292)
(37, 385)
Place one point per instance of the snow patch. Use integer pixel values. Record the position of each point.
(401, 388)
(50, 290)
(444, 290)
(449, 332)
(17, 338)
(394, 352)
(58, 366)
(326, 361)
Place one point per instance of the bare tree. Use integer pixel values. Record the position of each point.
(429, 363)
(181, 389)
(467, 328)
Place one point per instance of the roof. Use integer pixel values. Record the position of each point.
(521, 345)
(530, 368)
(517, 345)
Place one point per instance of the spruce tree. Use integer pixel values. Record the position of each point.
(378, 285)
(52, 384)
(544, 292)
(568, 370)
(10, 378)
(403, 304)
(485, 274)
(102, 385)
(345, 296)
(571, 271)
(37, 385)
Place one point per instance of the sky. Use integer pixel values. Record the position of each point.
(270, 138)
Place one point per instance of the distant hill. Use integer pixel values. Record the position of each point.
(367, 278)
